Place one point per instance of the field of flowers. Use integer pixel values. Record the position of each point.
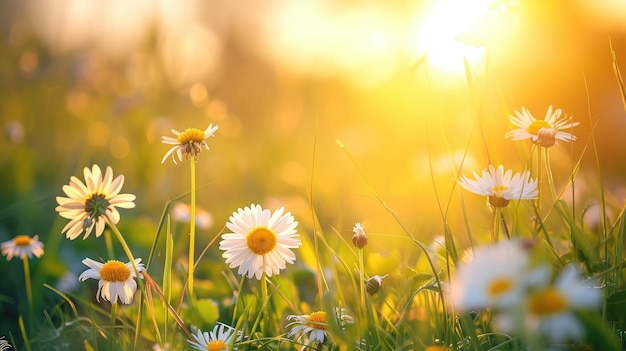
(148, 206)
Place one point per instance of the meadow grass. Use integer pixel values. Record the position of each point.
(338, 295)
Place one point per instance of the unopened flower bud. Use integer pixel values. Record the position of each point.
(373, 284)
(359, 239)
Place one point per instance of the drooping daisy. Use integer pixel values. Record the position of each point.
(219, 339)
(544, 132)
(314, 327)
(549, 308)
(22, 246)
(116, 279)
(501, 187)
(4, 344)
(374, 284)
(496, 276)
(87, 204)
(260, 241)
(188, 143)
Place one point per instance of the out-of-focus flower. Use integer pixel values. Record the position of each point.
(373, 284)
(116, 279)
(14, 131)
(22, 246)
(260, 241)
(501, 187)
(544, 132)
(359, 239)
(181, 212)
(4, 344)
(496, 276)
(87, 204)
(219, 339)
(188, 143)
(549, 308)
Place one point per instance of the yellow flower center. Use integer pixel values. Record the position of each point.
(22, 240)
(499, 286)
(216, 345)
(114, 271)
(499, 189)
(261, 240)
(193, 135)
(534, 127)
(547, 302)
(317, 320)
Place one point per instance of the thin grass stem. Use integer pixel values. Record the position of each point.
(20, 321)
(29, 291)
(192, 226)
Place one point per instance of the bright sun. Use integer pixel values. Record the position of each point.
(436, 35)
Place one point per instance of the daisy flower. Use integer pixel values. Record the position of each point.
(87, 204)
(549, 308)
(116, 279)
(501, 187)
(4, 344)
(260, 241)
(543, 132)
(217, 340)
(496, 276)
(21, 246)
(314, 326)
(188, 143)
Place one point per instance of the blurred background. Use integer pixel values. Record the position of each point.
(411, 88)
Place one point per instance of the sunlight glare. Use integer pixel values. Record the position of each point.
(437, 35)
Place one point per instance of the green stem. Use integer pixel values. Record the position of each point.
(264, 297)
(113, 314)
(361, 279)
(126, 249)
(539, 178)
(192, 224)
(549, 173)
(109, 245)
(495, 224)
(29, 291)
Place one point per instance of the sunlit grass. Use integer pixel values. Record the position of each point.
(359, 241)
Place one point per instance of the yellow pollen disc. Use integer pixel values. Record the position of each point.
(500, 286)
(22, 240)
(193, 135)
(547, 302)
(261, 240)
(114, 271)
(534, 127)
(216, 345)
(498, 189)
(317, 320)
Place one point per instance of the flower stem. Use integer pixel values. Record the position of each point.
(361, 278)
(113, 314)
(192, 224)
(549, 173)
(126, 249)
(109, 244)
(539, 177)
(29, 291)
(495, 224)
(264, 301)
